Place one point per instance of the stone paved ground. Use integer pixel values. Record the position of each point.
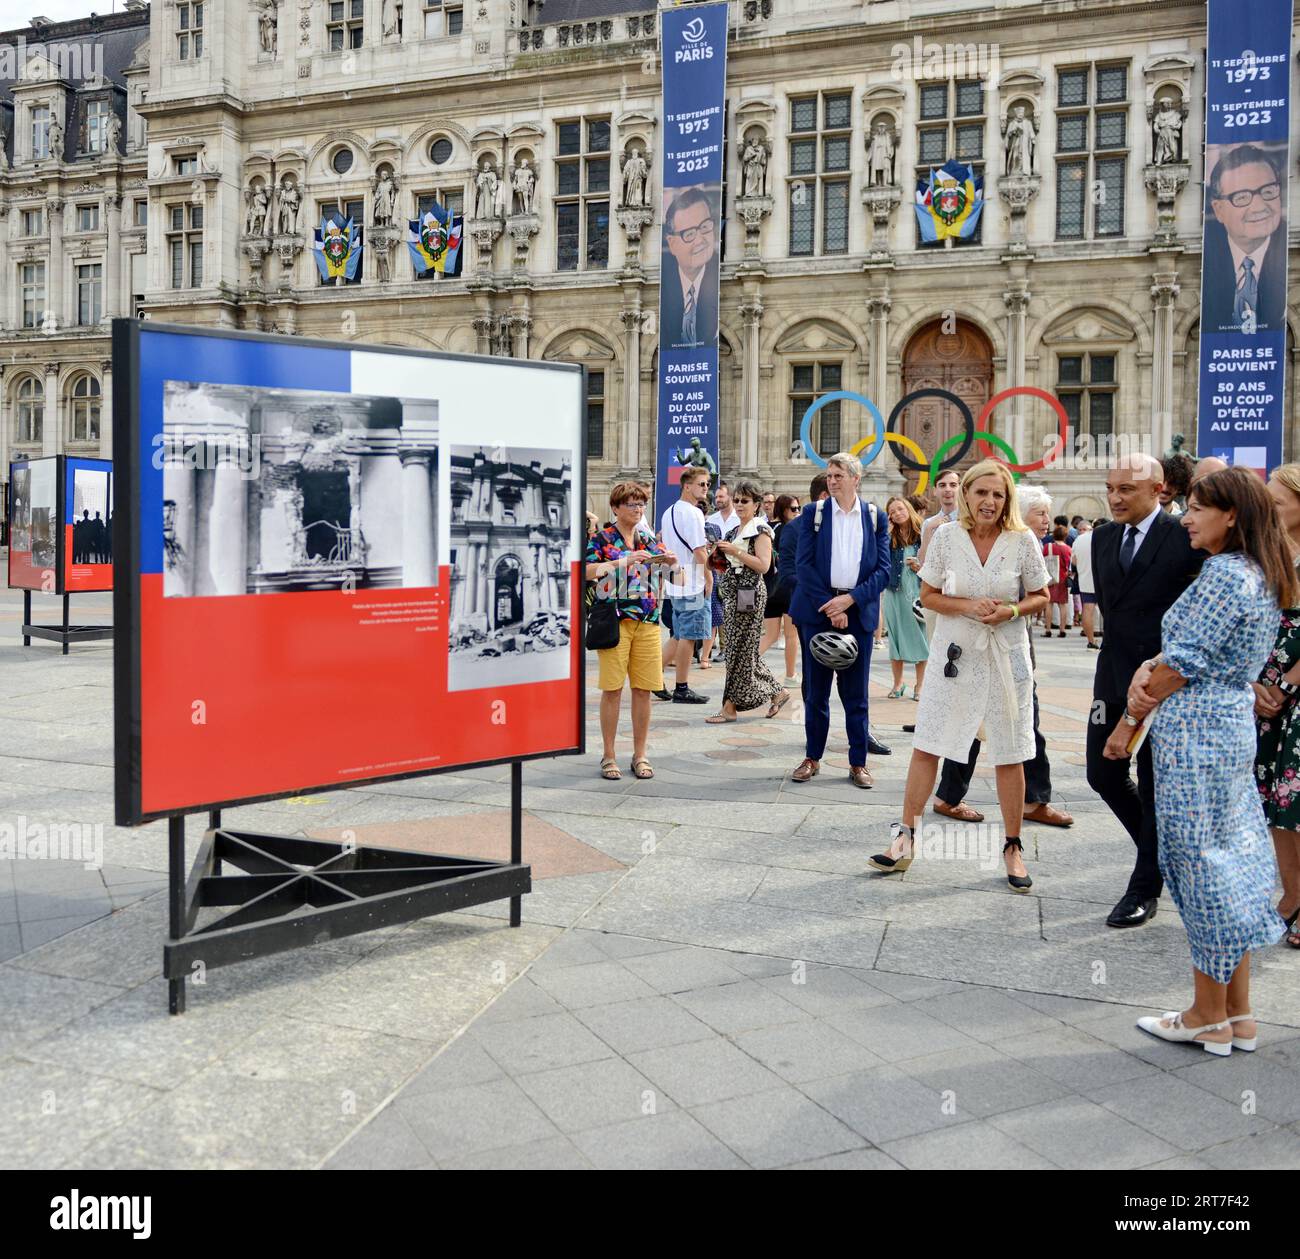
(707, 975)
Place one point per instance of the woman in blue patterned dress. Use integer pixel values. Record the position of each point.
(1214, 847)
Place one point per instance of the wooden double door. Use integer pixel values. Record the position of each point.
(960, 360)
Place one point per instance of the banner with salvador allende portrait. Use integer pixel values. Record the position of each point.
(1243, 257)
(694, 59)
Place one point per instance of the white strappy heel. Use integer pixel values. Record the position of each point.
(1245, 1043)
(1171, 1027)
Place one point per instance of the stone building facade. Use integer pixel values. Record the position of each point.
(243, 125)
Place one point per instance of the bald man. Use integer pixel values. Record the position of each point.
(1211, 463)
(1141, 562)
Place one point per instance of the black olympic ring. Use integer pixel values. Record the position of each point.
(906, 460)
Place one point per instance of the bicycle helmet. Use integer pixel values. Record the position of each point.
(835, 651)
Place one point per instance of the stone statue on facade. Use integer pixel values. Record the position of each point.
(4, 144)
(485, 191)
(524, 181)
(268, 25)
(382, 246)
(56, 139)
(258, 205)
(384, 196)
(289, 201)
(754, 162)
(1168, 125)
(390, 18)
(112, 135)
(880, 156)
(635, 171)
(1019, 143)
(698, 457)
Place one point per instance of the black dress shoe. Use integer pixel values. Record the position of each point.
(1132, 911)
(876, 748)
(689, 697)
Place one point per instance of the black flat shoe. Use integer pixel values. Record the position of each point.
(1018, 883)
(876, 748)
(1132, 911)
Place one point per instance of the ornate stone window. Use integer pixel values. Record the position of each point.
(443, 17)
(32, 223)
(31, 411)
(582, 170)
(595, 415)
(31, 279)
(189, 30)
(40, 132)
(452, 199)
(83, 420)
(1092, 151)
(185, 246)
(344, 27)
(440, 151)
(952, 124)
(342, 161)
(90, 293)
(339, 212)
(820, 132)
(808, 381)
(96, 135)
(1087, 388)
(88, 217)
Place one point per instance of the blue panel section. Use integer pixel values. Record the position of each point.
(70, 466)
(273, 363)
(1244, 249)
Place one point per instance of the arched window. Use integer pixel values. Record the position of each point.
(84, 417)
(31, 411)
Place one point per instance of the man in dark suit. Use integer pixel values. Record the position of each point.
(842, 565)
(1243, 271)
(1141, 562)
(688, 276)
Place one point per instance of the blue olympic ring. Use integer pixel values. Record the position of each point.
(805, 429)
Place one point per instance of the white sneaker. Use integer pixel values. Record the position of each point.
(791, 683)
(1245, 1043)
(1171, 1027)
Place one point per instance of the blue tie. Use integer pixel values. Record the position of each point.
(688, 318)
(1247, 291)
(1127, 550)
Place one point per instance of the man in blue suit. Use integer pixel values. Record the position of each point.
(842, 566)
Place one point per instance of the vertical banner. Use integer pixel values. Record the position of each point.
(694, 57)
(1243, 254)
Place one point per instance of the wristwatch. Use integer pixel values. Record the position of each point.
(1130, 719)
(1287, 688)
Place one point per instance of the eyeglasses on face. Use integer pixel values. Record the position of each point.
(954, 654)
(637, 504)
(688, 234)
(1244, 196)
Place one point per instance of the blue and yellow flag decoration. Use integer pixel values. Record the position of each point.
(337, 249)
(950, 204)
(434, 241)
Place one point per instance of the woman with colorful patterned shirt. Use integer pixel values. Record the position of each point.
(627, 565)
(1214, 848)
(1277, 758)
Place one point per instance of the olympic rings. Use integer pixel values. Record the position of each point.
(805, 429)
(984, 439)
(967, 438)
(1062, 430)
(883, 433)
(899, 439)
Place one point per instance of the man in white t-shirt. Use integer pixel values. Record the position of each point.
(725, 517)
(1081, 558)
(688, 587)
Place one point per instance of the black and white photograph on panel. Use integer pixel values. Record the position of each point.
(20, 509)
(44, 512)
(272, 490)
(510, 534)
(92, 520)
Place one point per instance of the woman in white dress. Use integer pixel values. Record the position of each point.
(980, 679)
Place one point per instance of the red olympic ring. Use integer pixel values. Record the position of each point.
(1042, 395)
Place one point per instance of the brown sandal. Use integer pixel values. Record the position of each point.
(609, 769)
(642, 762)
(962, 812)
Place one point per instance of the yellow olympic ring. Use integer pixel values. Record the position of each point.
(907, 443)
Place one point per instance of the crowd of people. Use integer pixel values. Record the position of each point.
(1188, 592)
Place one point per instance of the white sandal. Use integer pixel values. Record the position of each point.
(1245, 1043)
(1171, 1027)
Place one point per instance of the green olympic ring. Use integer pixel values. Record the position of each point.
(984, 438)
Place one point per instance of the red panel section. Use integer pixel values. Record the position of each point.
(83, 576)
(256, 695)
(24, 575)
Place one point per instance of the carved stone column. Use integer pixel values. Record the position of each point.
(54, 270)
(1164, 301)
(1165, 183)
(52, 428)
(753, 211)
(1018, 191)
(419, 563)
(522, 229)
(113, 260)
(483, 326)
(520, 327)
(751, 311)
(1016, 302)
(484, 233)
(630, 445)
(106, 409)
(228, 526)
